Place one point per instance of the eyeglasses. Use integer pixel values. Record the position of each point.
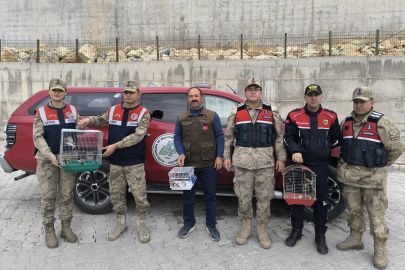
(253, 89)
(58, 91)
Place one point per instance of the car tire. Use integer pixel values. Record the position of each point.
(336, 203)
(91, 193)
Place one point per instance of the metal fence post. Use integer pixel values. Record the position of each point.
(199, 48)
(330, 43)
(77, 51)
(377, 41)
(116, 51)
(285, 45)
(241, 46)
(37, 50)
(157, 48)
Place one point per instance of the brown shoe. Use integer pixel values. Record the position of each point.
(50, 236)
(143, 231)
(353, 241)
(66, 232)
(245, 232)
(119, 229)
(380, 253)
(262, 234)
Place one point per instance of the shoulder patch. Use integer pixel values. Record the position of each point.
(394, 135)
(241, 104)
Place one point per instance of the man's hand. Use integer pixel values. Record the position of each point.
(297, 158)
(227, 165)
(218, 163)
(84, 123)
(55, 162)
(280, 165)
(109, 149)
(180, 160)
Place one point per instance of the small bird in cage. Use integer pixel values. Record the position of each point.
(64, 162)
(174, 184)
(69, 141)
(81, 160)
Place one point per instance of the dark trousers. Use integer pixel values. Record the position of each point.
(208, 177)
(320, 207)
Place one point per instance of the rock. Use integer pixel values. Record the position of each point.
(7, 55)
(232, 51)
(102, 56)
(386, 44)
(165, 51)
(127, 49)
(24, 57)
(262, 56)
(194, 56)
(252, 53)
(45, 47)
(220, 57)
(349, 49)
(100, 60)
(311, 52)
(234, 57)
(45, 56)
(111, 56)
(150, 48)
(135, 53)
(62, 52)
(72, 59)
(89, 51)
(193, 51)
(165, 57)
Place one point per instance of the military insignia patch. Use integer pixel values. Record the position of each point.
(205, 117)
(394, 134)
(325, 122)
(369, 127)
(266, 112)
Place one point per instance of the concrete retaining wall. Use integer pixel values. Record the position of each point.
(283, 80)
(93, 20)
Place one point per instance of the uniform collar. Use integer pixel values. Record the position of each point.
(259, 107)
(50, 106)
(125, 108)
(365, 117)
(202, 112)
(312, 113)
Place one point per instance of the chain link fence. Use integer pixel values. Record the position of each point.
(230, 47)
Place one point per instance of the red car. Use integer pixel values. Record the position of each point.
(91, 193)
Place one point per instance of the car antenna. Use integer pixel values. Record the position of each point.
(231, 89)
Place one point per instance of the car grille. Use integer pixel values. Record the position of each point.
(10, 132)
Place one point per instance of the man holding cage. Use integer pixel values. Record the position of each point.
(310, 134)
(255, 125)
(371, 143)
(128, 123)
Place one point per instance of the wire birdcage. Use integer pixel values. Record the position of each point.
(299, 185)
(182, 178)
(80, 150)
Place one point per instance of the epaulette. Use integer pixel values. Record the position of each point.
(330, 111)
(266, 105)
(241, 106)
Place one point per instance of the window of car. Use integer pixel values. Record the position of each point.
(171, 104)
(222, 106)
(88, 104)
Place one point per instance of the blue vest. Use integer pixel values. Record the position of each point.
(367, 149)
(259, 134)
(54, 119)
(123, 122)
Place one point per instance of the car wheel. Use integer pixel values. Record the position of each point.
(336, 203)
(92, 191)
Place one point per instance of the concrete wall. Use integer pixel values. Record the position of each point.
(95, 19)
(283, 80)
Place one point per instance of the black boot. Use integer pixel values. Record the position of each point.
(321, 243)
(295, 235)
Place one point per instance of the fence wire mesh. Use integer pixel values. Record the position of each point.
(232, 47)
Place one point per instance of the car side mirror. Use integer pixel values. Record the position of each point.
(157, 114)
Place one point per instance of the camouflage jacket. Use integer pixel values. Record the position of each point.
(249, 157)
(359, 176)
(44, 151)
(134, 138)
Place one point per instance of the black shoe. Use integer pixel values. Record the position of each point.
(185, 231)
(295, 235)
(214, 233)
(321, 243)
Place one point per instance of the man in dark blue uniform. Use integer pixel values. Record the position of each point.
(310, 134)
(199, 140)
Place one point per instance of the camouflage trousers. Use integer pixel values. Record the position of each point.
(376, 203)
(262, 182)
(134, 177)
(49, 177)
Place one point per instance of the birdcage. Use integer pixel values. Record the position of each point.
(80, 150)
(182, 178)
(299, 185)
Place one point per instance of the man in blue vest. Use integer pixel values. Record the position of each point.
(371, 143)
(310, 134)
(256, 125)
(199, 141)
(128, 123)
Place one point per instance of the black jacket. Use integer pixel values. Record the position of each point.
(313, 134)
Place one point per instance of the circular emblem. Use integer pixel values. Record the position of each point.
(69, 115)
(163, 150)
(134, 116)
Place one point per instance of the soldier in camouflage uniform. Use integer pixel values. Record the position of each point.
(371, 143)
(48, 122)
(128, 123)
(253, 159)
